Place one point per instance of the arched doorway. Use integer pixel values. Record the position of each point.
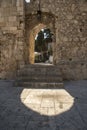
(32, 28)
(32, 36)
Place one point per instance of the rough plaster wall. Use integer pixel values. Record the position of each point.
(11, 36)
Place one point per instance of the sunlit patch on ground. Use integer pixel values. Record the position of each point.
(47, 102)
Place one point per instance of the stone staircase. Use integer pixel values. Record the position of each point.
(39, 76)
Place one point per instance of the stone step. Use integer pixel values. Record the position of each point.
(39, 84)
(24, 74)
(41, 79)
(39, 76)
(38, 66)
(39, 71)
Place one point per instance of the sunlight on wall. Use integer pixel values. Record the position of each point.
(47, 102)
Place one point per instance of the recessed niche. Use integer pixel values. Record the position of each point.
(82, 64)
(70, 59)
(80, 29)
(21, 21)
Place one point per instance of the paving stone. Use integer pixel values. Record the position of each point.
(43, 109)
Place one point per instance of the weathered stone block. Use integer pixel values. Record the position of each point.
(12, 18)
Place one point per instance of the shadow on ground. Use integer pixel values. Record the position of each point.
(14, 115)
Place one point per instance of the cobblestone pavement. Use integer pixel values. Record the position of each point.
(43, 109)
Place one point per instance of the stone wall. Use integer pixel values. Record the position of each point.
(71, 34)
(70, 29)
(70, 25)
(71, 38)
(11, 36)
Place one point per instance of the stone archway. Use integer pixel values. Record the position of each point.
(32, 36)
(33, 27)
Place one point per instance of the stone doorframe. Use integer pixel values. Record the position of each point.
(33, 27)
